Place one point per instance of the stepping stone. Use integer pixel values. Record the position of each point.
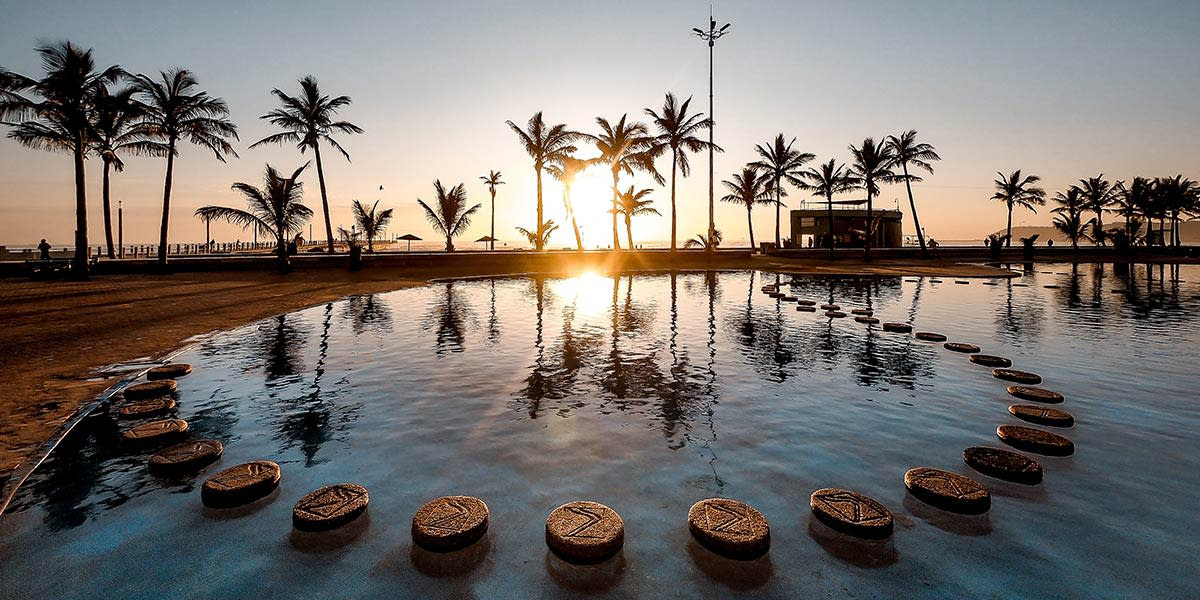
(789, 298)
(912, 281)
(186, 457)
(806, 308)
(584, 531)
(948, 491)
(830, 307)
(450, 523)
(935, 281)
(170, 371)
(150, 389)
(1020, 285)
(834, 314)
(769, 288)
(930, 336)
(145, 408)
(1017, 376)
(330, 507)
(1050, 287)
(240, 484)
(1042, 415)
(1035, 394)
(989, 360)
(806, 302)
(1116, 291)
(961, 347)
(867, 320)
(730, 528)
(852, 513)
(776, 295)
(1003, 464)
(862, 311)
(990, 283)
(962, 282)
(155, 431)
(1035, 440)
(897, 327)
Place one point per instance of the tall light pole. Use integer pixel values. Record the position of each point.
(711, 36)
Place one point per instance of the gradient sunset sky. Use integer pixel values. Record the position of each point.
(1061, 89)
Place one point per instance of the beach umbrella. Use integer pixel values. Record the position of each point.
(408, 237)
(485, 239)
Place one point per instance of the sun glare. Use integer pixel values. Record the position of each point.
(589, 292)
(592, 198)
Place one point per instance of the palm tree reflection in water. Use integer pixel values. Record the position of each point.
(449, 318)
(368, 313)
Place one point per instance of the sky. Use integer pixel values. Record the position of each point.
(1061, 89)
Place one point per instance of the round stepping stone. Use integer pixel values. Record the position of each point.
(1116, 291)
(989, 360)
(169, 371)
(851, 512)
(948, 491)
(155, 431)
(990, 283)
(729, 528)
(862, 311)
(186, 457)
(1035, 394)
(145, 408)
(930, 336)
(240, 484)
(897, 327)
(1017, 376)
(1003, 464)
(962, 282)
(806, 302)
(583, 531)
(769, 288)
(806, 308)
(450, 523)
(1020, 285)
(1035, 440)
(776, 295)
(789, 298)
(150, 389)
(830, 307)
(1042, 415)
(935, 281)
(834, 314)
(330, 507)
(867, 320)
(961, 347)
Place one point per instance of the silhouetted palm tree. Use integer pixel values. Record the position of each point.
(872, 166)
(784, 165)
(307, 120)
(492, 179)
(1098, 194)
(548, 228)
(827, 180)
(677, 132)
(371, 221)
(1132, 200)
(1069, 218)
(706, 242)
(626, 147)
(1173, 197)
(61, 117)
(748, 188)
(565, 169)
(176, 111)
(1015, 190)
(275, 209)
(451, 217)
(117, 114)
(632, 205)
(545, 145)
(905, 150)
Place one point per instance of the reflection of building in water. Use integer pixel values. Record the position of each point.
(849, 228)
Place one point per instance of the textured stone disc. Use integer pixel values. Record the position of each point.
(1035, 394)
(1042, 415)
(961, 347)
(835, 314)
(962, 282)
(935, 281)
(867, 320)
(169, 371)
(851, 512)
(730, 528)
(150, 389)
(897, 327)
(1003, 464)
(1035, 440)
(146, 408)
(240, 484)
(789, 298)
(930, 336)
(1020, 285)
(990, 283)
(806, 308)
(155, 431)
(450, 523)
(584, 531)
(769, 288)
(830, 307)
(776, 295)
(1017, 376)
(806, 302)
(866, 312)
(185, 457)
(948, 491)
(990, 360)
(330, 507)
(1051, 286)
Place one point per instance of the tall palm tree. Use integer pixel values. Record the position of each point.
(1069, 219)
(1173, 197)
(275, 209)
(371, 221)
(626, 147)
(539, 240)
(176, 111)
(827, 180)
(306, 120)
(784, 164)
(708, 242)
(117, 114)
(872, 166)
(677, 131)
(905, 151)
(451, 217)
(633, 205)
(1098, 195)
(61, 118)
(492, 179)
(565, 169)
(1017, 190)
(545, 145)
(748, 188)
(1132, 200)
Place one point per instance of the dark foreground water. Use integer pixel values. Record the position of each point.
(648, 393)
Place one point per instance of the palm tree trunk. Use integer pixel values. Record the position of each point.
(107, 214)
(81, 237)
(324, 197)
(492, 234)
(571, 213)
(778, 199)
(912, 205)
(166, 212)
(281, 252)
(629, 230)
(750, 225)
(616, 235)
(674, 158)
(537, 245)
(1100, 226)
(1008, 229)
(829, 203)
(867, 246)
(449, 243)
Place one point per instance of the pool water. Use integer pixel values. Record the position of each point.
(649, 392)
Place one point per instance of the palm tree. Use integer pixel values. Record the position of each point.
(632, 205)
(709, 243)
(905, 150)
(492, 179)
(545, 145)
(306, 120)
(677, 132)
(117, 114)
(626, 147)
(539, 241)
(1133, 200)
(827, 180)
(748, 188)
(175, 111)
(565, 169)
(452, 217)
(784, 165)
(62, 120)
(1098, 194)
(371, 221)
(275, 209)
(1069, 218)
(1015, 190)
(1173, 197)
(872, 166)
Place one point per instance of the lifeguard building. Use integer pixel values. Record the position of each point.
(811, 227)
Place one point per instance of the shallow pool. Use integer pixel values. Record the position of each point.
(647, 393)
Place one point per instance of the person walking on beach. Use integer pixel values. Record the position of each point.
(44, 249)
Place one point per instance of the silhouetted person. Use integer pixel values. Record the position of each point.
(44, 250)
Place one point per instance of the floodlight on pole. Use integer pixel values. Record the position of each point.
(711, 36)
